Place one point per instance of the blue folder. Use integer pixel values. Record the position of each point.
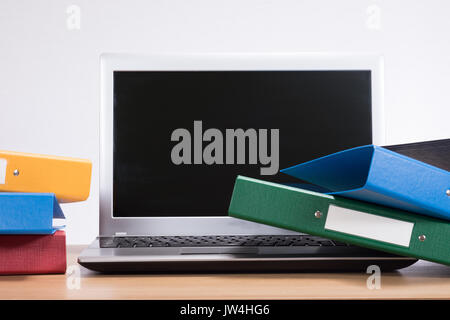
(29, 213)
(375, 174)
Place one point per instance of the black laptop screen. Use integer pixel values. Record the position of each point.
(181, 138)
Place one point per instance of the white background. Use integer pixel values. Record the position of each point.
(49, 74)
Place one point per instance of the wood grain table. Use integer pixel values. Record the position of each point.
(423, 280)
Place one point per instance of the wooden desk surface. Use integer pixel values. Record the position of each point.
(423, 280)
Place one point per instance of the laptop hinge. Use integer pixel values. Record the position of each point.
(120, 234)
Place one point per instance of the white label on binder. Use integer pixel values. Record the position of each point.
(2, 171)
(369, 226)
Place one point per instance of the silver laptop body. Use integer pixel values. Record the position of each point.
(154, 186)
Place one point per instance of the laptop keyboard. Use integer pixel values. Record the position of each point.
(217, 241)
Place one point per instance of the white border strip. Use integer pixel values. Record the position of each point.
(3, 164)
(369, 226)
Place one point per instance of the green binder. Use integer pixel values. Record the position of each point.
(355, 222)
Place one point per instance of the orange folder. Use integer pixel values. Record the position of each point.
(68, 178)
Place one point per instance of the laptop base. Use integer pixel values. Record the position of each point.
(238, 259)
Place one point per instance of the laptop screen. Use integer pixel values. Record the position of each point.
(182, 137)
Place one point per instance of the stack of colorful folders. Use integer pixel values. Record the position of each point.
(372, 197)
(31, 188)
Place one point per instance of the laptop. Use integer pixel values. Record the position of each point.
(176, 130)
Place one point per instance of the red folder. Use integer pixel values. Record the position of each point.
(33, 254)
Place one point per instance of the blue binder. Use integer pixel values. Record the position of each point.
(375, 174)
(28, 213)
